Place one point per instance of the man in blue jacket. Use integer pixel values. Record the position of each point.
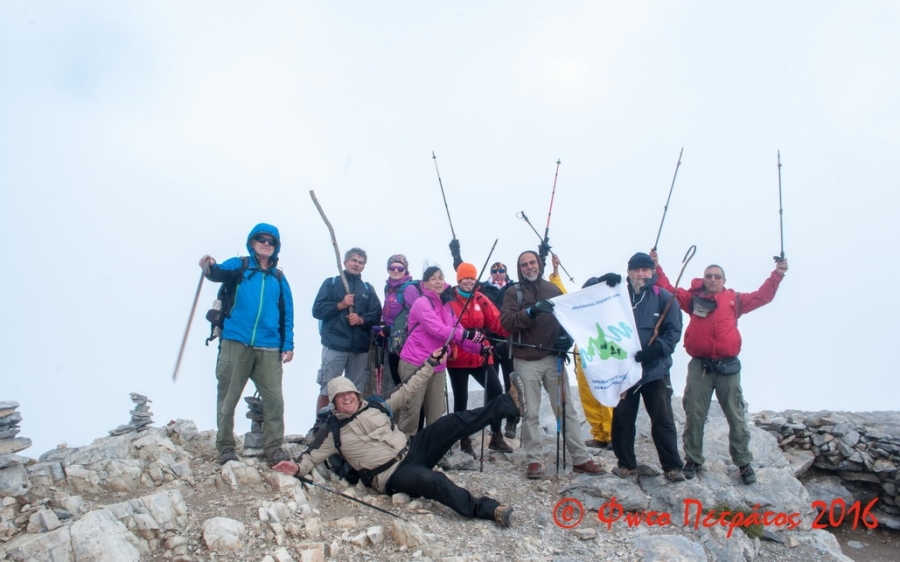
(345, 324)
(649, 303)
(257, 337)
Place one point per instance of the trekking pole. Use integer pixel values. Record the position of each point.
(558, 410)
(433, 157)
(552, 196)
(779, 259)
(562, 375)
(327, 489)
(337, 251)
(669, 198)
(484, 364)
(188, 328)
(524, 217)
(687, 258)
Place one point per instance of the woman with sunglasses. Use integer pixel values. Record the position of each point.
(431, 324)
(400, 292)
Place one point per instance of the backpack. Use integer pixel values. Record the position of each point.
(367, 288)
(225, 299)
(338, 464)
(400, 331)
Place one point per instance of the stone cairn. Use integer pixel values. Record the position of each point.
(141, 416)
(846, 445)
(13, 477)
(253, 439)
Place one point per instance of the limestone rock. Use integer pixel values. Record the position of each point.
(14, 481)
(222, 534)
(99, 536)
(673, 548)
(14, 445)
(42, 521)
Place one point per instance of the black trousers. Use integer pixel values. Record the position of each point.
(394, 364)
(485, 375)
(415, 476)
(658, 402)
(505, 362)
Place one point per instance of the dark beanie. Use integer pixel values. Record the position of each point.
(640, 260)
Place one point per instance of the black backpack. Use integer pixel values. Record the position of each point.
(400, 331)
(228, 293)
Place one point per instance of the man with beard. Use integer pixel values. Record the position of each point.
(648, 303)
(527, 315)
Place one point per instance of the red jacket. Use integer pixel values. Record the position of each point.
(481, 314)
(716, 336)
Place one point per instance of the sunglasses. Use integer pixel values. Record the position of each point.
(265, 240)
(498, 271)
(397, 268)
(715, 276)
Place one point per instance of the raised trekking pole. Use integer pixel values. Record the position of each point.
(524, 217)
(335, 492)
(433, 157)
(188, 328)
(669, 198)
(337, 251)
(687, 258)
(779, 259)
(552, 196)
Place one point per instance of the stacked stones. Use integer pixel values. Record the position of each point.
(845, 444)
(254, 439)
(141, 416)
(13, 476)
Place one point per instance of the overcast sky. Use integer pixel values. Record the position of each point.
(136, 137)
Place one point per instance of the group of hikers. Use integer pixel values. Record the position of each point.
(430, 331)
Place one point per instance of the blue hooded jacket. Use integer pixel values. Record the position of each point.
(254, 319)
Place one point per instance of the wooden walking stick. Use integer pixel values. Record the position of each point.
(337, 251)
(188, 328)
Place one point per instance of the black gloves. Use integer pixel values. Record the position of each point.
(540, 307)
(486, 351)
(544, 250)
(454, 251)
(651, 353)
(564, 342)
(611, 279)
(474, 335)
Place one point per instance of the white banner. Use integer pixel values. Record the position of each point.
(601, 322)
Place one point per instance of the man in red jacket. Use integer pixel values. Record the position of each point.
(713, 341)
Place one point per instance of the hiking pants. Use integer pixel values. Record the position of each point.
(658, 402)
(355, 366)
(431, 399)
(415, 476)
(598, 416)
(698, 392)
(546, 372)
(485, 375)
(237, 363)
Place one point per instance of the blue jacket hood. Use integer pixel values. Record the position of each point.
(263, 228)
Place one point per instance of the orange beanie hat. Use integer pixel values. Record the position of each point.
(466, 271)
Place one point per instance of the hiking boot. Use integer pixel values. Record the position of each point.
(503, 515)
(534, 471)
(226, 455)
(510, 432)
(595, 444)
(623, 472)
(748, 476)
(498, 444)
(588, 467)
(675, 475)
(277, 456)
(517, 392)
(690, 469)
(465, 446)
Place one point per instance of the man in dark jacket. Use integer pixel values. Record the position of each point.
(346, 319)
(257, 338)
(649, 304)
(525, 315)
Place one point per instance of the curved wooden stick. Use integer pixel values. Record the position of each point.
(687, 258)
(337, 251)
(188, 328)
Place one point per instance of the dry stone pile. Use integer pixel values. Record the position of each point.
(13, 477)
(862, 450)
(141, 416)
(254, 439)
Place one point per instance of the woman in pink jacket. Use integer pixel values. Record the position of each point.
(431, 323)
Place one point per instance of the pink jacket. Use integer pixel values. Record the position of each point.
(430, 323)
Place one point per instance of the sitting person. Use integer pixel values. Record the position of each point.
(387, 460)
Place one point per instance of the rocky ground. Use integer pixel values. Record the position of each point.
(158, 495)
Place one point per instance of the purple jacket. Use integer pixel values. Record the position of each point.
(392, 306)
(430, 323)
